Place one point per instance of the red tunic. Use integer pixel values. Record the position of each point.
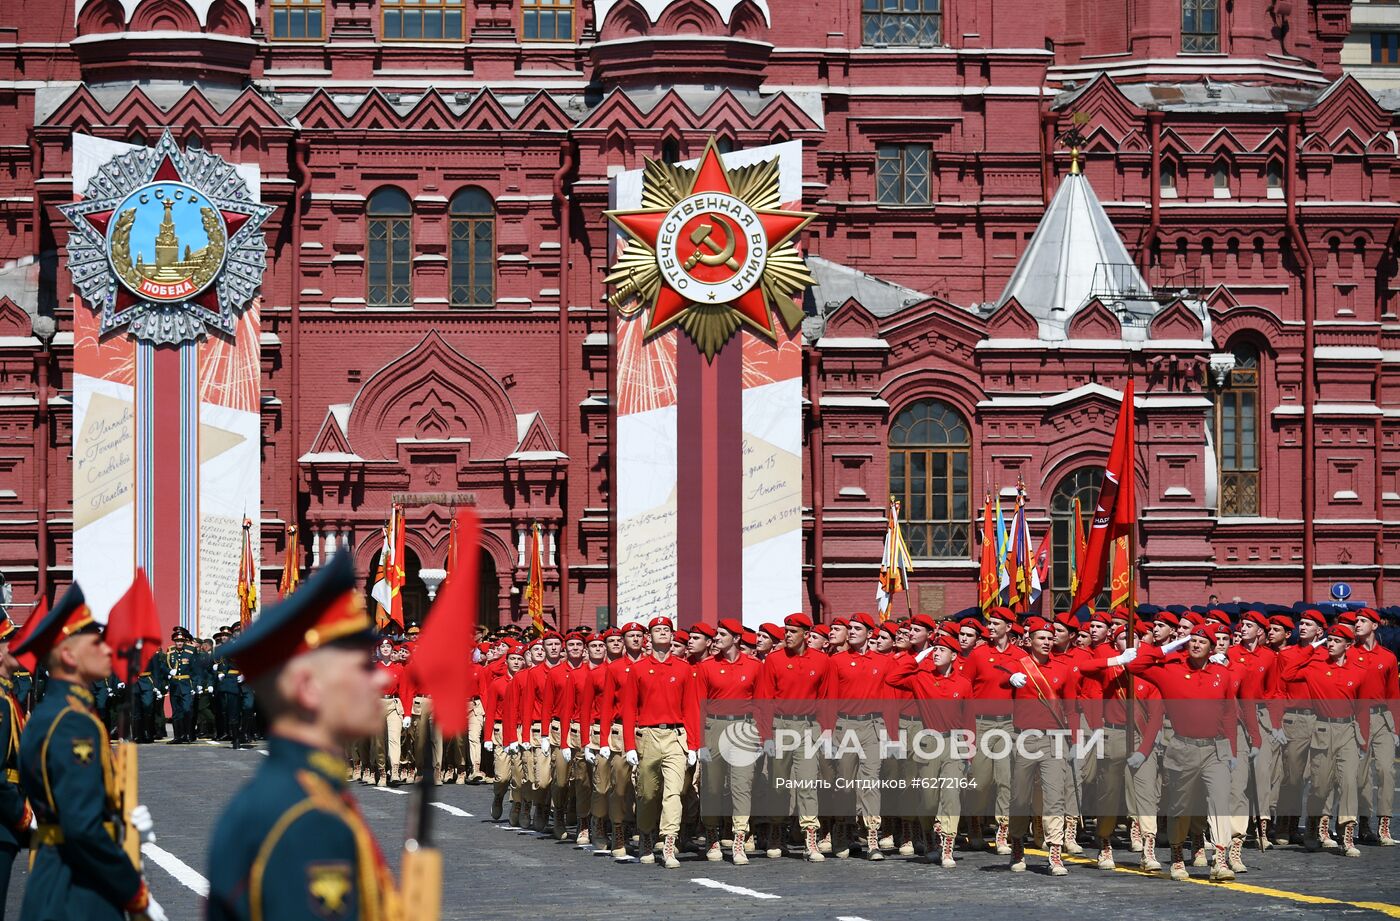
(1183, 689)
(1381, 685)
(988, 668)
(944, 702)
(1334, 689)
(659, 692)
(495, 701)
(795, 685)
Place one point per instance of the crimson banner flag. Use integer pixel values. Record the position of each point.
(133, 619)
(988, 587)
(441, 662)
(1116, 512)
(28, 659)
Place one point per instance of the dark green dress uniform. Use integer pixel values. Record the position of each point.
(179, 685)
(79, 872)
(14, 809)
(202, 671)
(292, 845)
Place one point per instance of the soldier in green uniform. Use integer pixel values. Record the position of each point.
(23, 680)
(79, 872)
(15, 814)
(150, 706)
(292, 844)
(179, 685)
(202, 671)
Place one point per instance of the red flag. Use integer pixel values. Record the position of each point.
(27, 659)
(1120, 576)
(448, 634)
(987, 584)
(133, 618)
(1116, 513)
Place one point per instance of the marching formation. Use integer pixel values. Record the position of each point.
(640, 742)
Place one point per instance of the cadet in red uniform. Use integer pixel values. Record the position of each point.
(796, 683)
(1333, 685)
(660, 733)
(498, 732)
(858, 683)
(987, 668)
(944, 703)
(724, 688)
(1199, 701)
(621, 799)
(1298, 721)
(1381, 692)
(1258, 670)
(596, 773)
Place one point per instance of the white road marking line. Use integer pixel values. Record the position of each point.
(392, 790)
(177, 868)
(261, 751)
(212, 742)
(737, 890)
(453, 810)
(851, 918)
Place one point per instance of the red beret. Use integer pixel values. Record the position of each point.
(1370, 615)
(514, 649)
(974, 624)
(680, 636)
(1204, 632)
(552, 635)
(1167, 617)
(1219, 616)
(748, 637)
(659, 621)
(842, 622)
(890, 627)
(798, 620)
(923, 620)
(772, 630)
(822, 630)
(1347, 617)
(703, 629)
(864, 620)
(732, 625)
(1281, 620)
(610, 633)
(1193, 619)
(1102, 617)
(633, 627)
(1016, 629)
(1142, 628)
(1344, 631)
(1314, 616)
(1068, 620)
(1120, 613)
(944, 639)
(1002, 613)
(1255, 617)
(1034, 624)
(1115, 633)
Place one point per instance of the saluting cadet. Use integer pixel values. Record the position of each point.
(15, 813)
(725, 686)
(1380, 690)
(79, 871)
(660, 734)
(292, 844)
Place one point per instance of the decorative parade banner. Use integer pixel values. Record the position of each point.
(709, 423)
(167, 253)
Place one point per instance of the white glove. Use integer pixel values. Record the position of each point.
(489, 746)
(153, 910)
(1280, 737)
(568, 754)
(605, 753)
(589, 756)
(120, 685)
(240, 679)
(1124, 657)
(544, 746)
(407, 721)
(1233, 762)
(159, 695)
(1220, 659)
(704, 754)
(209, 690)
(513, 748)
(690, 757)
(1321, 640)
(1253, 752)
(1176, 644)
(1018, 680)
(631, 757)
(33, 822)
(1136, 760)
(144, 825)
(770, 748)
(923, 655)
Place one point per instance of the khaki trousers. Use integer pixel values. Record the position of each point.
(660, 776)
(613, 776)
(392, 738)
(796, 767)
(991, 794)
(1144, 793)
(1334, 764)
(540, 767)
(1264, 768)
(1298, 727)
(937, 770)
(1195, 767)
(722, 782)
(503, 769)
(1378, 763)
(1110, 794)
(1033, 763)
(423, 706)
(860, 769)
(476, 721)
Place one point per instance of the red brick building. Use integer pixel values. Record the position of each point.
(433, 319)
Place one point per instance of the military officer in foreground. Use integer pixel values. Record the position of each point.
(80, 871)
(15, 813)
(292, 844)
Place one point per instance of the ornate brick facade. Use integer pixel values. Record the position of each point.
(1251, 185)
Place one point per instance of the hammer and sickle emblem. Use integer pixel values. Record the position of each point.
(703, 238)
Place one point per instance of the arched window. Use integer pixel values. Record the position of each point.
(1200, 26)
(1273, 179)
(390, 252)
(1083, 484)
(473, 249)
(930, 456)
(1168, 180)
(1237, 435)
(670, 150)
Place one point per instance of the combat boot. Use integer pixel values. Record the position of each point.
(872, 841)
(1221, 872)
(1349, 848)
(775, 842)
(1149, 861)
(1234, 857)
(646, 850)
(1178, 868)
(1106, 856)
(737, 854)
(1135, 836)
(1324, 832)
(1003, 849)
(840, 840)
(1383, 832)
(814, 853)
(668, 853)
(498, 802)
(619, 843)
(1057, 861)
(1017, 852)
(945, 848)
(713, 851)
(1072, 846)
